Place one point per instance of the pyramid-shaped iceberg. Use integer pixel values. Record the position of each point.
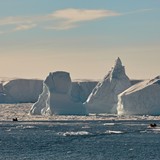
(103, 98)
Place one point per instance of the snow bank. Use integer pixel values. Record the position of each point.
(141, 99)
(56, 97)
(103, 99)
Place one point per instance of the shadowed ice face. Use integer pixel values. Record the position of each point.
(59, 82)
(62, 82)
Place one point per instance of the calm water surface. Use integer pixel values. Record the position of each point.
(80, 140)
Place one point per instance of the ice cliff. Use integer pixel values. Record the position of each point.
(28, 90)
(2, 95)
(81, 89)
(141, 99)
(56, 97)
(103, 98)
(20, 91)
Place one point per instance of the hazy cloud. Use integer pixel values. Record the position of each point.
(1, 32)
(59, 20)
(75, 15)
(62, 26)
(14, 20)
(68, 18)
(139, 11)
(25, 27)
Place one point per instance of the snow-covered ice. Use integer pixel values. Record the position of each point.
(56, 97)
(103, 99)
(142, 99)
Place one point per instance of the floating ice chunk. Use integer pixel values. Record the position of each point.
(114, 132)
(79, 133)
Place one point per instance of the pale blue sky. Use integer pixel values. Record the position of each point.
(83, 37)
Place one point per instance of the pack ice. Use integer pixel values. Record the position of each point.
(141, 99)
(103, 98)
(56, 97)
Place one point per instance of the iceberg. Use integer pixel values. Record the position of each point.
(104, 97)
(18, 90)
(21, 90)
(2, 95)
(141, 99)
(56, 97)
(81, 89)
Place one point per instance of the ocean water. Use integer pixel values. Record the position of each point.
(80, 140)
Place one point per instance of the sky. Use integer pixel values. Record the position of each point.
(83, 37)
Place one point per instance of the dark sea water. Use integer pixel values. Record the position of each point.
(80, 140)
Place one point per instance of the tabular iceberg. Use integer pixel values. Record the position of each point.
(21, 91)
(28, 90)
(103, 98)
(141, 99)
(56, 97)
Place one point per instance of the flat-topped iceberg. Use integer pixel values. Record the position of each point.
(56, 97)
(21, 91)
(141, 99)
(28, 90)
(103, 98)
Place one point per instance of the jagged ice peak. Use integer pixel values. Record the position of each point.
(118, 63)
(118, 71)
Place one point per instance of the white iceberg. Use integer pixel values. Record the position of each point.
(2, 95)
(81, 89)
(28, 90)
(141, 99)
(21, 90)
(103, 98)
(56, 97)
(18, 90)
